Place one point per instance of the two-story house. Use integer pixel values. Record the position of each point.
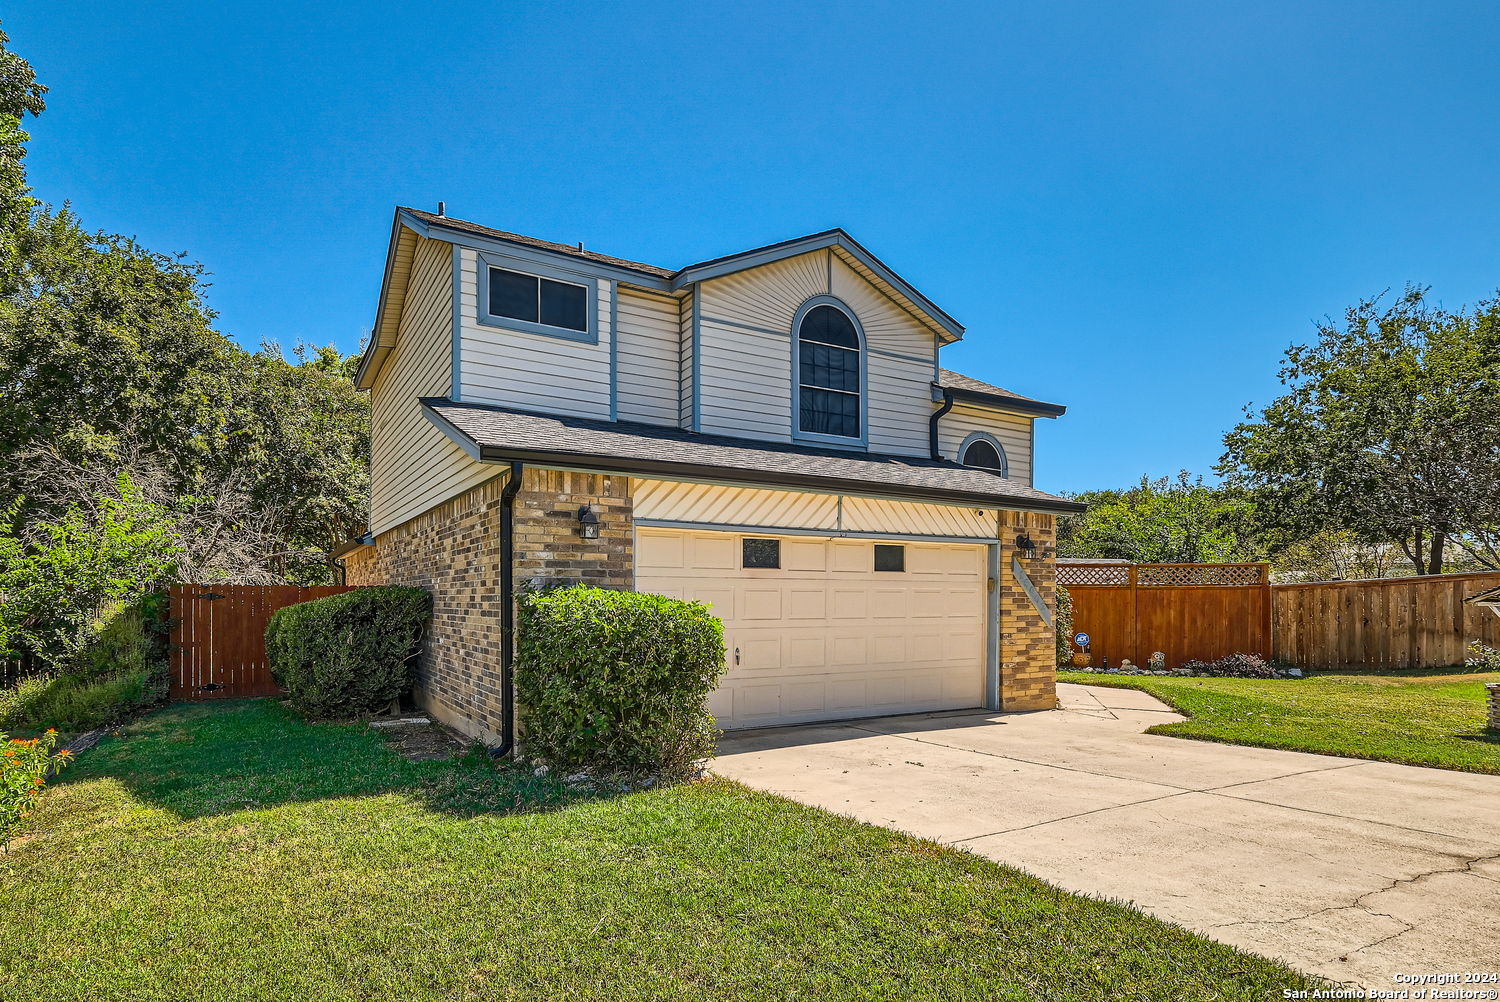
(771, 432)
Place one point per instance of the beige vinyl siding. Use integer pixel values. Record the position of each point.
(900, 352)
(648, 377)
(1012, 431)
(685, 376)
(747, 353)
(534, 372)
(413, 465)
(747, 389)
(710, 504)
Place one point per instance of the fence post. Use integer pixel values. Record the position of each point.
(1135, 619)
(1269, 637)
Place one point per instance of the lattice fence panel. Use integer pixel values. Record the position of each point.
(1093, 575)
(1199, 575)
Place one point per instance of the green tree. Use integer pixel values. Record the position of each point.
(1170, 520)
(110, 363)
(1386, 430)
(58, 577)
(301, 430)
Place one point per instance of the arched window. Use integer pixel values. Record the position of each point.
(829, 372)
(983, 452)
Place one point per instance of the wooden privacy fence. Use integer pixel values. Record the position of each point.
(1419, 622)
(1186, 611)
(219, 637)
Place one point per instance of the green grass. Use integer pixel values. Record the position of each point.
(1428, 717)
(235, 852)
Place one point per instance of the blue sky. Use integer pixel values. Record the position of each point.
(1132, 207)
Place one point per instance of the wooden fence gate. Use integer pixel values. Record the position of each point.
(1186, 611)
(219, 637)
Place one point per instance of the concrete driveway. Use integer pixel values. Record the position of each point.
(1353, 870)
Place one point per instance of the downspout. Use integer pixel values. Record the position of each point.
(932, 434)
(507, 612)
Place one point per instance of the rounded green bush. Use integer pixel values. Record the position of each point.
(348, 654)
(615, 682)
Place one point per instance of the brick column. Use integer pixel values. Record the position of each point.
(549, 549)
(1493, 688)
(1028, 645)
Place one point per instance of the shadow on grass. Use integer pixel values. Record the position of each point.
(206, 759)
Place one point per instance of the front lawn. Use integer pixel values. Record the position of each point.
(1417, 717)
(234, 852)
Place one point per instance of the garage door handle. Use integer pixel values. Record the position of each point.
(736, 655)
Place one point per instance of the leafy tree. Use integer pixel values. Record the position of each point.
(1181, 520)
(301, 430)
(109, 363)
(20, 95)
(1386, 431)
(58, 577)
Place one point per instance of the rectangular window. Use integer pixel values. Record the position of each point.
(538, 300)
(829, 412)
(889, 557)
(760, 553)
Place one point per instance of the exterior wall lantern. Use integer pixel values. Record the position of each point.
(588, 522)
(1027, 547)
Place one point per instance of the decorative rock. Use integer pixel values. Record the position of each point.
(540, 770)
(1294, 673)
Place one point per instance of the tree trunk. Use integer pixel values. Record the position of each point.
(1414, 551)
(1435, 552)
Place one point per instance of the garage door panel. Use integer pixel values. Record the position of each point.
(760, 601)
(848, 650)
(956, 644)
(803, 555)
(657, 550)
(807, 652)
(850, 603)
(851, 557)
(826, 636)
(807, 603)
(929, 603)
(803, 697)
(715, 553)
(756, 654)
(890, 649)
(846, 694)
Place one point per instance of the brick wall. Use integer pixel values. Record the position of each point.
(454, 552)
(1028, 646)
(548, 546)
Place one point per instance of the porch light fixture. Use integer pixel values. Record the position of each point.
(588, 522)
(1027, 547)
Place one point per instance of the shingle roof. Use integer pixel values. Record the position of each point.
(1490, 596)
(547, 245)
(968, 384)
(500, 433)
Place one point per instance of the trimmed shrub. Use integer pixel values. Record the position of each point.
(348, 654)
(615, 683)
(1064, 620)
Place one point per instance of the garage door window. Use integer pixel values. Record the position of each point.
(889, 557)
(760, 553)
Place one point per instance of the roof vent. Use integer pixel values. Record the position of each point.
(580, 245)
(442, 208)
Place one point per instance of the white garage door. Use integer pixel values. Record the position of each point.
(824, 634)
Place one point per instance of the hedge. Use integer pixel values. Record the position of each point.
(348, 654)
(615, 683)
